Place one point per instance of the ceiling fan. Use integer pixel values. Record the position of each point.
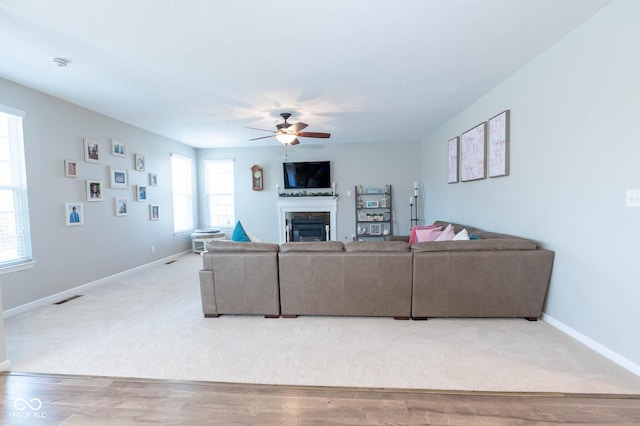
(288, 133)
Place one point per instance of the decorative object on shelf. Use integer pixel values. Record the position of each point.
(307, 194)
(141, 193)
(372, 204)
(359, 189)
(499, 145)
(333, 188)
(73, 214)
(375, 229)
(384, 201)
(71, 168)
(153, 179)
(94, 190)
(139, 162)
(118, 148)
(257, 178)
(373, 191)
(472, 153)
(91, 151)
(121, 204)
(118, 178)
(154, 212)
(452, 153)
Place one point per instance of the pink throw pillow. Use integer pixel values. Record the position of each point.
(447, 234)
(414, 238)
(428, 234)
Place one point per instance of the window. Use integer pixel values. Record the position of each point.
(15, 236)
(220, 192)
(182, 193)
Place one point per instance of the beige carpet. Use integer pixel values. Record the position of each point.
(149, 324)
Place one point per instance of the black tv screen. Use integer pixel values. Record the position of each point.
(308, 174)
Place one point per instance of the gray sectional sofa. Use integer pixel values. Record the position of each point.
(496, 276)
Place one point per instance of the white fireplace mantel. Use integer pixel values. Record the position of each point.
(307, 204)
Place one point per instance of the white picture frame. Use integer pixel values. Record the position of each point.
(499, 145)
(121, 206)
(153, 179)
(473, 153)
(71, 168)
(74, 214)
(141, 193)
(94, 190)
(118, 178)
(118, 148)
(154, 212)
(91, 151)
(139, 162)
(372, 204)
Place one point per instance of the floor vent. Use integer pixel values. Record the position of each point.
(170, 262)
(68, 299)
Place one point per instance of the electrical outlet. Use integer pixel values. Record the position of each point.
(153, 249)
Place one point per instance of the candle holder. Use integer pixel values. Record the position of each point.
(413, 205)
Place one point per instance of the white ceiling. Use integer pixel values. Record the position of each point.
(199, 71)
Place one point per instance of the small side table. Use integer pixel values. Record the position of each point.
(200, 238)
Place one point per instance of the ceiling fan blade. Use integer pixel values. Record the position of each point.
(264, 130)
(262, 137)
(297, 127)
(314, 135)
(295, 142)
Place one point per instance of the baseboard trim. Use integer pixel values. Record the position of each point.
(81, 288)
(592, 344)
(5, 365)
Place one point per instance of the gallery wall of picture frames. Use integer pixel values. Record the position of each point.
(119, 177)
(480, 151)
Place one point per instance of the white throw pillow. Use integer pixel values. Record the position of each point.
(461, 236)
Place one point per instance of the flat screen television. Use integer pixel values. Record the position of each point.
(307, 174)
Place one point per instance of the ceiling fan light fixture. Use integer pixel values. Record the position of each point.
(285, 138)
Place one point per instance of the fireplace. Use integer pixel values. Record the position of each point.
(307, 230)
(307, 208)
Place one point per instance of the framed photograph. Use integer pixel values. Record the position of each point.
(118, 178)
(141, 193)
(118, 148)
(154, 212)
(94, 190)
(91, 151)
(139, 160)
(375, 229)
(71, 168)
(122, 207)
(73, 214)
(499, 145)
(452, 155)
(472, 153)
(153, 179)
(372, 204)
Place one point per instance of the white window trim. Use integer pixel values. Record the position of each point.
(188, 231)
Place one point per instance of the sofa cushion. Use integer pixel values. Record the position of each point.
(376, 246)
(240, 247)
(312, 246)
(476, 245)
(428, 234)
(461, 236)
(239, 234)
(413, 238)
(447, 234)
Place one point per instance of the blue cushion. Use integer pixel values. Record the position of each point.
(474, 237)
(239, 234)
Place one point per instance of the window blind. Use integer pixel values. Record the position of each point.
(15, 235)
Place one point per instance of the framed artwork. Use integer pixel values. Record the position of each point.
(153, 179)
(94, 190)
(122, 208)
(141, 193)
(73, 214)
(139, 160)
(371, 204)
(118, 148)
(472, 153)
(452, 155)
(71, 168)
(499, 145)
(375, 229)
(91, 151)
(118, 178)
(154, 212)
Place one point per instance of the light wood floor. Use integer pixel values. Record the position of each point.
(46, 399)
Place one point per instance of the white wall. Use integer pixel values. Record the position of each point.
(71, 256)
(575, 146)
(373, 165)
